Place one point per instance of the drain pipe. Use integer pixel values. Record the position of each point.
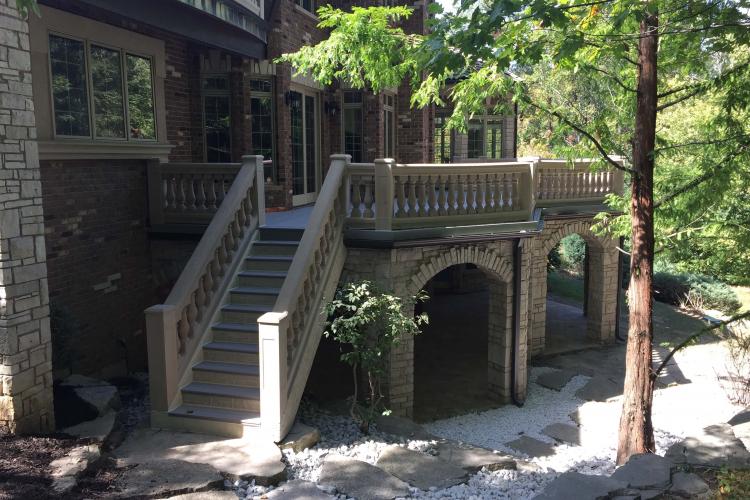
(620, 270)
(516, 322)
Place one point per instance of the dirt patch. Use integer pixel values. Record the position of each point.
(24, 464)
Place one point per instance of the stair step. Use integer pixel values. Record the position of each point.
(261, 278)
(222, 367)
(235, 333)
(274, 247)
(254, 295)
(217, 414)
(244, 313)
(280, 233)
(268, 262)
(221, 396)
(231, 352)
(231, 374)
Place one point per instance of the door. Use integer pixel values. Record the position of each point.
(304, 112)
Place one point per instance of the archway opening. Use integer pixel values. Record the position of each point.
(569, 275)
(458, 363)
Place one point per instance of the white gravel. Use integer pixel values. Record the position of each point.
(678, 411)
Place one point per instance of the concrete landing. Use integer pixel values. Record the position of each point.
(295, 218)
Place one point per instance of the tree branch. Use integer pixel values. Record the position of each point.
(680, 99)
(613, 77)
(694, 337)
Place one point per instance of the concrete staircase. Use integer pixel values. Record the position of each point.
(223, 396)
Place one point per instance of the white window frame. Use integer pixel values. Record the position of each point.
(389, 136)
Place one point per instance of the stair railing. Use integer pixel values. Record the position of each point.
(175, 328)
(289, 335)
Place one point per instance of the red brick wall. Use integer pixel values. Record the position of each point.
(98, 259)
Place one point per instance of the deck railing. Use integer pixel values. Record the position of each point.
(389, 196)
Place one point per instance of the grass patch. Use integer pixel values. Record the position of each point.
(565, 285)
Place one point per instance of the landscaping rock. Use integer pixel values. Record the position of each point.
(741, 427)
(207, 495)
(300, 438)
(98, 429)
(297, 490)
(98, 394)
(471, 458)
(402, 427)
(160, 478)
(419, 469)
(716, 446)
(645, 471)
(555, 380)
(577, 486)
(65, 471)
(360, 480)
(565, 433)
(688, 485)
(599, 389)
(532, 447)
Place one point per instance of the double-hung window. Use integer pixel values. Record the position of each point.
(100, 92)
(261, 122)
(217, 122)
(443, 140)
(352, 124)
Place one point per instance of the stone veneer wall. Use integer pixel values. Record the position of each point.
(25, 339)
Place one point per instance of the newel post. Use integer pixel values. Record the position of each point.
(384, 193)
(161, 339)
(530, 193)
(259, 185)
(272, 328)
(155, 192)
(618, 177)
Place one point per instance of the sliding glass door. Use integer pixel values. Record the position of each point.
(305, 154)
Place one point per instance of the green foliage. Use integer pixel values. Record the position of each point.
(370, 322)
(674, 287)
(554, 260)
(27, 6)
(734, 484)
(573, 250)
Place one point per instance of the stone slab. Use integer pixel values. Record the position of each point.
(555, 380)
(716, 446)
(238, 458)
(360, 480)
(645, 471)
(419, 469)
(564, 433)
(577, 486)
(297, 490)
(471, 458)
(301, 437)
(98, 429)
(599, 389)
(531, 447)
(402, 427)
(207, 495)
(100, 395)
(65, 471)
(688, 485)
(160, 478)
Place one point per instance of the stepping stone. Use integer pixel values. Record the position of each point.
(207, 495)
(532, 447)
(716, 446)
(577, 486)
(599, 389)
(98, 429)
(161, 478)
(471, 458)
(98, 394)
(645, 471)
(564, 433)
(65, 470)
(300, 438)
(360, 480)
(555, 380)
(402, 427)
(688, 485)
(297, 490)
(419, 469)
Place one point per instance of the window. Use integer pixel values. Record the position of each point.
(443, 140)
(216, 118)
(494, 142)
(389, 125)
(303, 109)
(475, 136)
(86, 76)
(261, 122)
(308, 5)
(352, 124)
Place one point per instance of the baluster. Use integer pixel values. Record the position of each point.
(461, 193)
(221, 258)
(183, 331)
(482, 200)
(441, 183)
(211, 193)
(356, 197)
(171, 195)
(497, 197)
(515, 196)
(432, 185)
(200, 300)
(506, 192)
(610, 181)
(192, 315)
(547, 185)
(451, 186)
(180, 194)
(413, 207)
(368, 202)
(200, 195)
(422, 209)
(190, 192)
(470, 194)
(398, 186)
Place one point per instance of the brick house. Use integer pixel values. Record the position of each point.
(123, 128)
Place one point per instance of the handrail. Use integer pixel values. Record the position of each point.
(175, 327)
(288, 335)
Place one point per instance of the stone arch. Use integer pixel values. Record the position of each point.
(499, 272)
(602, 271)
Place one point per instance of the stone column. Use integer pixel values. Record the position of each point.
(602, 294)
(25, 340)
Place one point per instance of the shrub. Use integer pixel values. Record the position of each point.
(573, 250)
(370, 322)
(554, 261)
(674, 287)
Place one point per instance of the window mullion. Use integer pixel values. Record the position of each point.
(125, 99)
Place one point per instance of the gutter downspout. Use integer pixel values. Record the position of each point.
(619, 291)
(516, 322)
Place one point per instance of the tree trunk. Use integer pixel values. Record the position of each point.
(636, 433)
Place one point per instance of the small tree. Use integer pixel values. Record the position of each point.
(371, 322)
